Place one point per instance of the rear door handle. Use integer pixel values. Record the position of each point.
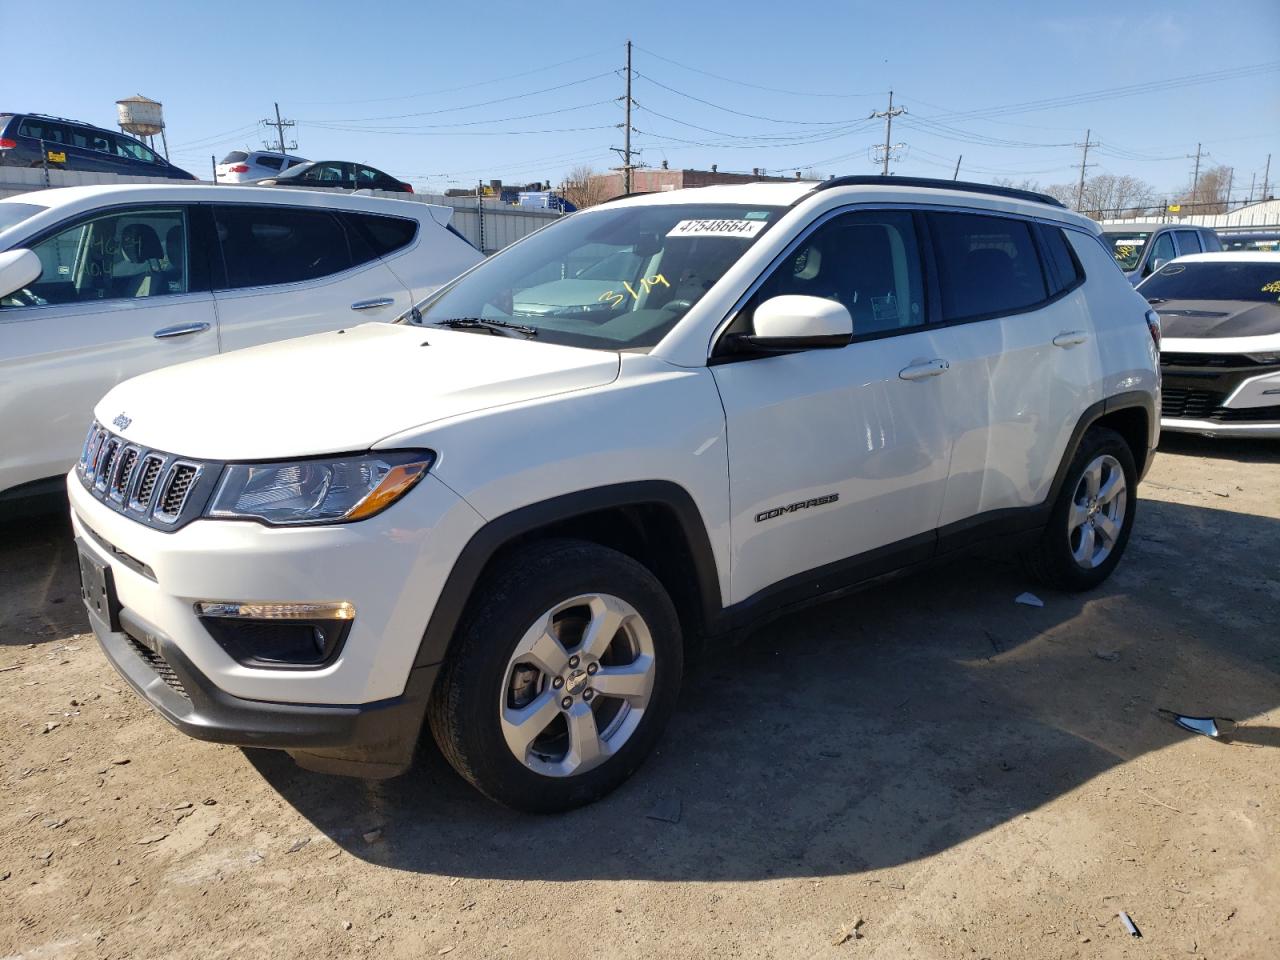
(181, 330)
(922, 371)
(371, 304)
(1070, 338)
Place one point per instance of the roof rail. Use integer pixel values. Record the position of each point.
(872, 180)
(50, 116)
(624, 196)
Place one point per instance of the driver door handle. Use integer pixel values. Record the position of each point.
(181, 330)
(923, 371)
(371, 304)
(1070, 338)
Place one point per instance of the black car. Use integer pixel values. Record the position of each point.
(35, 140)
(337, 175)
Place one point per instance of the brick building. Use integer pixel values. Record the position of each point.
(606, 186)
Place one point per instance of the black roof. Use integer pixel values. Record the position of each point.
(864, 180)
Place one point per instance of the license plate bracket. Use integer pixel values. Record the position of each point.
(98, 589)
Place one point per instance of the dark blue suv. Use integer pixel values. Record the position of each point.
(33, 140)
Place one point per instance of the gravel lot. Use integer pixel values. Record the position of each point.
(949, 773)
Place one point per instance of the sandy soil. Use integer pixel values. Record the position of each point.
(956, 775)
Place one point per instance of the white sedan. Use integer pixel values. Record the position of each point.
(1220, 355)
(99, 284)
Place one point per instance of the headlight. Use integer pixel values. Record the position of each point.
(317, 491)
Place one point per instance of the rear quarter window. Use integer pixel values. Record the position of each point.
(1061, 265)
(376, 236)
(273, 163)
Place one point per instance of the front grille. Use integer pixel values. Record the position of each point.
(1232, 360)
(161, 667)
(151, 486)
(1180, 403)
(1188, 404)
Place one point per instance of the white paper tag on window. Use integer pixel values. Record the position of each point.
(716, 228)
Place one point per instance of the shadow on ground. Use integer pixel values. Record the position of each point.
(38, 565)
(879, 729)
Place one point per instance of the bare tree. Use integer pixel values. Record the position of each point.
(1209, 193)
(1107, 195)
(583, 187)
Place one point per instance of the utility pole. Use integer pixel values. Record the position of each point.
(1084, 165)
(625, 152)
(1231, 178)
(956, 175)
(279, 125)
(1253, 180)
(889, 145)
(1195, 177)
(1266, 177)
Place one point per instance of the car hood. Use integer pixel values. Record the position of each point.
(341, 391)
(1191, 319)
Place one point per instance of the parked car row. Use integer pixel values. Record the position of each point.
(269, 169)
(102, 283)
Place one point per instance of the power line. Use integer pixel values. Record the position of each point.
(465, 86)
(1084, 165)
(739, 113)
(465, 123)
(807, 94)
(468, 106)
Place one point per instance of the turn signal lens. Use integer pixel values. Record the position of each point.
(1153, 326)
(393, 486)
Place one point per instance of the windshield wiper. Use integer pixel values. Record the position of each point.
(485, 323)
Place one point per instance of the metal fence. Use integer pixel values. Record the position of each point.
(487, 224)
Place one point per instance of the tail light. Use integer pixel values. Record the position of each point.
(406, 188)
(7, 144)
(1153, 327)
(238, 168)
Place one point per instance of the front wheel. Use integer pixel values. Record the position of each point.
(561, 677)
(1089, 525)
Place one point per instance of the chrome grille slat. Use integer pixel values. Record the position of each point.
(151, 486)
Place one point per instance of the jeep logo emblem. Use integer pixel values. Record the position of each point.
(122, 422)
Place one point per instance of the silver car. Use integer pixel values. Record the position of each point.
(1141, 249)
(242, 166)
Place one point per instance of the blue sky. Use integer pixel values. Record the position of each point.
(443, 95)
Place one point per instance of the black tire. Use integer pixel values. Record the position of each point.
(464, 707)
(1050, 560)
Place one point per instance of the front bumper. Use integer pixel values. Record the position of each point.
(369, 739)
(1209, 428)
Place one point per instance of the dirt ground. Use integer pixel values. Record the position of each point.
(950, 773)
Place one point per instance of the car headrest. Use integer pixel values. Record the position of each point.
(140, 243)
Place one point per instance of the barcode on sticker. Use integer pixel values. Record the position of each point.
(716, 228)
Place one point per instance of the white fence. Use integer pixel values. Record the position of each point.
(1264, 215)
(488, 224)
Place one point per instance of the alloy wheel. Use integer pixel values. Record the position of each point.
(1097, 511)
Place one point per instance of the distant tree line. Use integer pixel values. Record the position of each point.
(1111, 195)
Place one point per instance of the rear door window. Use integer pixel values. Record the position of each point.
(1188, 242)
(264, 246)
(987, 266)
(273, 163)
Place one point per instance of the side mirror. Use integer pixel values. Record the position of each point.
(17, 269)
(790, 323)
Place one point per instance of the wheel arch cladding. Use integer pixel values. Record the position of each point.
(1129, 414)
(655, 522)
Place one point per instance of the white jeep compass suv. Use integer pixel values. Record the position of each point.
(509, 514)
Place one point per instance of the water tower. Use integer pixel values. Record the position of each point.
(144, 118)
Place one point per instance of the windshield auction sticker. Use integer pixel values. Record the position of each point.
(716, 228)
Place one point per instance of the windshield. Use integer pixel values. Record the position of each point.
(1223, 280)
(12, 213)
(612, 279)
(1126, 248)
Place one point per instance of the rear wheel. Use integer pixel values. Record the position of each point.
(561, 678)
(1089, 526)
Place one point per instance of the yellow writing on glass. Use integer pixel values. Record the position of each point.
(616, 299)
(1272, 287)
